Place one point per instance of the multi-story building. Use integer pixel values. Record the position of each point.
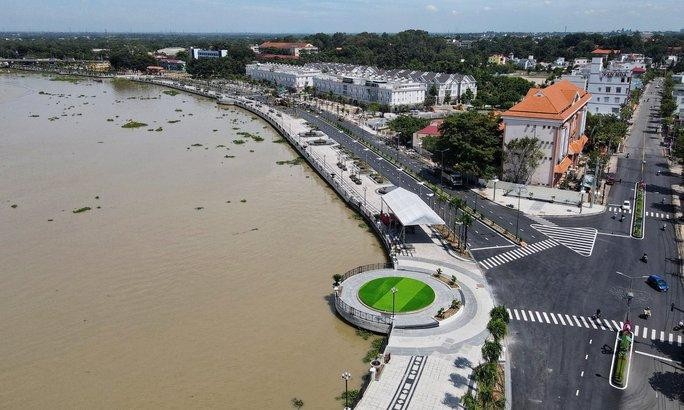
(678, 95)
(198, 53)
(556, 115)
(498, 59)
(289, 76)
(449, 87)
(391, 93)
(609, 87)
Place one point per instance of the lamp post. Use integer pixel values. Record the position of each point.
(441, 173)
(346, 376)
(495, 180)
(520, 189)
(630, 294)
(394, 292)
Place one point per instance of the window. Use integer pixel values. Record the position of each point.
(599, 90)
(605, 99)
(617, 100)
(607, 89)
(618, 89)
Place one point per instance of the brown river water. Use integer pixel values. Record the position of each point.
(145, 301)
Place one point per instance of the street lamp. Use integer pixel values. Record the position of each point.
(630, 294)
(520, 189)
(346, 376)
(495, 180)
(394, 292)
(441, 174)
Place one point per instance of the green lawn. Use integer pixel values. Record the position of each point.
(411, 294)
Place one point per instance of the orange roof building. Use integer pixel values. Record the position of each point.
(556, 116)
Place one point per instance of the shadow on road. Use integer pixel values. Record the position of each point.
(463, 362)
(669, 384)
(451, 401)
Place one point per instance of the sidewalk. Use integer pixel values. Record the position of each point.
(539, 208)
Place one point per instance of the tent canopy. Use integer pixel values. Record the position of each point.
(410, 209)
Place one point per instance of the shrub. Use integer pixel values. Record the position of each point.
(499, 312)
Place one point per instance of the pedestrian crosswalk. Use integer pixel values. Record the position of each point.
(661, 215)
(580, 240)
(502, 258)
(589, 323)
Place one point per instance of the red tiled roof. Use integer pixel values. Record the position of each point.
(603, 51)
(576, 146)
(563, 166)
(638, 70)
(555, 102)
(432, 129)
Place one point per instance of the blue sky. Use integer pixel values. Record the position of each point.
(342, 15)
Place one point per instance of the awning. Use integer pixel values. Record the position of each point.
(563, 166)
(410, 209)
(577, 145)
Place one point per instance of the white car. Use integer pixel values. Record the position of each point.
(626, 205)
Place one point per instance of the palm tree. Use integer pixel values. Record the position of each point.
(491, 351)
(468, 401)
(443, 198)
(499, 312)
(466, 220)
(497, 328)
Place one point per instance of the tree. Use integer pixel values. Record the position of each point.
(497, 328)
(466, 220)
(431, 96)
(499, 312)
(447, 97)
(473, 142)
(467, 96)
(522, 156)
(469, 402)
(406, 126)
(373, 107)
(491, 350)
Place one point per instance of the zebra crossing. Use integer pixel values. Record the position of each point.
(589, 323)
(580, 240)
(502, 258)
(661, 215)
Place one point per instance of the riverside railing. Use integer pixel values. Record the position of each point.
(364, 268)
(342, 307)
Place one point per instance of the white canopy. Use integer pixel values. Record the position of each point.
(410, 209)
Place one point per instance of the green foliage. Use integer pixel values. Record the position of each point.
(499, 312)
(406, 125)
(374, 351)
(79, 210)
(131, 57)
(638, 214)
(474, 144)
(678, 145)
(491, 350)
(352, 396)
(499, 91)
(232, 65)
(363, 333)
(133, 124)
(469, 402)
(522, 157)
(497, 328)
(605, 130)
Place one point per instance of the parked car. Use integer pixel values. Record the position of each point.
(658, 283)
(610, 179)
(626, 205)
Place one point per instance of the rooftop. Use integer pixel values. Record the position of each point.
(555, 102)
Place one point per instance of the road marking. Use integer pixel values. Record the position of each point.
(569, 320)
(577, 393)
(516, 314)
(560, 317)
(670, 339)
(582, 374)
(546, 317)
(539, 316)
(645, 333)
(510, 316)
(514, 254)
(653, 356)
(679, 340)
(553, 317)
(579, 240)
(653, 334)
(584, 321)
(590, 340)
(492, 247)
(586, 357)
(531, 316)
(662, 336)
(617, 327)
(523, 315)
(577, 321)
(608, 326)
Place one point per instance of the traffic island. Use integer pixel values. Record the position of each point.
(622, 356)
(638, 218)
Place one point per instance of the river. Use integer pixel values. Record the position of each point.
(199, 276)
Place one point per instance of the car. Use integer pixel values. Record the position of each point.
(658, 283)
(626, 205)
(610, 179)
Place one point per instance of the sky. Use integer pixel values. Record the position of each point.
(352, 16)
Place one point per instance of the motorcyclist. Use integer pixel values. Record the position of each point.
(645, 257)
(647, 312)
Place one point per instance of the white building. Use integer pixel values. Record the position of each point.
(289, 76)
(198, 53)
(372, 90)
(609, 87)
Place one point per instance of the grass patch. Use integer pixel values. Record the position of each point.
(638, 214)
(172, 93)
(238, 142)
(374, 351)
(134, 124)
(279, 141)
(411, 294)
(84, 209)
(291, 162)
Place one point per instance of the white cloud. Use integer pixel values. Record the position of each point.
(486, 8)
(547, 2)
(455, 13)
(431, 8)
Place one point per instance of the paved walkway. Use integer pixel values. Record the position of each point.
(540, 208)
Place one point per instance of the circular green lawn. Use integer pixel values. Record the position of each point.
(411, 294)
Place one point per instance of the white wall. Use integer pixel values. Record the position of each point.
(546, 133)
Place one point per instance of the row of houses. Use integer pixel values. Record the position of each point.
(364, 84)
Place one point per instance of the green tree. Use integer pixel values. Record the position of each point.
(491, 350)
(469, 402)
(499, 312)
(473, 143)
(406, 126)
(466, 220)
(497, 328)
(373, 107)
(467, 96)
(431, 96)
(522, 156)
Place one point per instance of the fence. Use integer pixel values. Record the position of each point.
(365, 268)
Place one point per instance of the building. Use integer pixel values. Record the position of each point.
(560, 63)
(497, 59)
(289, 76)
(601, 52)
(556, 115)
(609, 87)
(171, 64)
(528, 63)
(170, 51)
(449, 87)
(678, 95)
(431, 130)
(577, 78)
(580, 62)
(357, 90)
(198, 53)
(286, 48)
(99, 66)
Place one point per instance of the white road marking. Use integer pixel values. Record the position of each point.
(560, 317)
(582, 374)
(616, 325)
(584, 321)
(662, 336)
(531, 316)
(538, 315)
(523, 315)
(510, 316)
(516, 314)
(546, 317)
(653, 356)
(553, 317)
(577, 321)
(653, 334)
(569, 320)
(577, 393)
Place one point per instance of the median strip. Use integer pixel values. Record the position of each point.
(638, 215)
